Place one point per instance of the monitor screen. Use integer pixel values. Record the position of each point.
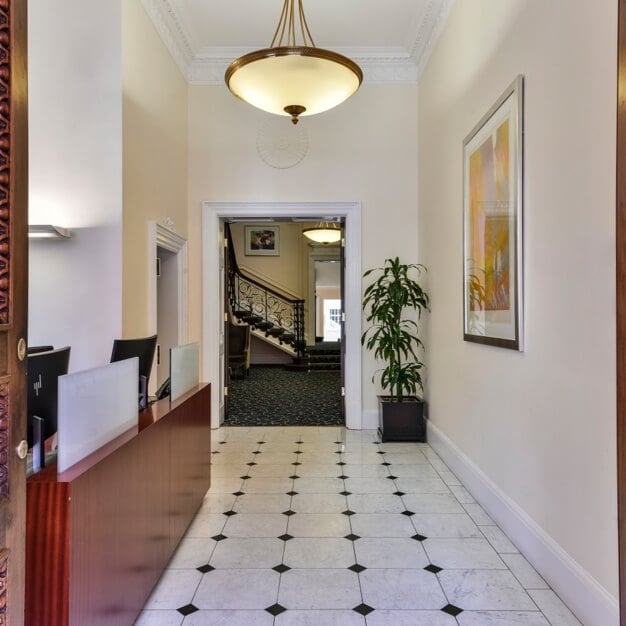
(143, 348)
(44, 369)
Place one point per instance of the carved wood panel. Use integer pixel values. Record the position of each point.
(5, 160)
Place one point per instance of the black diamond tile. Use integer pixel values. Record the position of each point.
(222, 443)
(376, 443)
(215, 452)
(348, 512)
(219, 537)
(251, 463)
(289, 513)
(352, 537)
(363, 609)
(281, 569)
(343, 477)
(338, 452)
(275, 609)
(450, 609)
(188, 609)
(296, 463)
(205, 568)
(433, 569)
(386, 464)
(338, 442)
(408, 513)
(340, 463)
(298, 452)
(244, 477)
(299, 442)
(260, 442)
(357, 568)
(399, 493)
(291, 493)
(345, 493)
(419, 537)
(257, 452)
(294, 477)
(285, 537)
(381, 452)
(239, 493)
(392, 477)
(229, 513)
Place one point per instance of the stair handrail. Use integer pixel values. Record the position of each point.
(289, 319)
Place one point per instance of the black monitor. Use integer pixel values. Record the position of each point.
(143, 348)
(44, 369)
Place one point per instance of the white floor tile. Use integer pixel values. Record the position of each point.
(524, 572)
(410, 618)
(319, 589)
(228, 471)
(365, 471)
(311, 470)
(401, 589)
(191, 553)
(318, 525)
(462, 494)
(553, 608)
(256, 525)
(419, 485)
(432, 503)
(319, 485)
(320, 618)
(159, 618)
(206, 525)
(501, 543)
(502, 618)
(327, 553)
(267, 485)
(262, 503)
(390, 553)
(385, 525)
(247, 553)
(375, 503)
(319, 503)
(175, 589)
(463, 554)
(476, 512)
(240, 588)
(272, 470)
(445, 525)
(229, 618)
(370, 485)
(484, 590)
(405, 459)
(449, 478)
(217, 502)
(423, 471)
(225, 485)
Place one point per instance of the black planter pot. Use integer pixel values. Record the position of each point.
(401, 421)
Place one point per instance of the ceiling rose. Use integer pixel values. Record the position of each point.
(281, 146)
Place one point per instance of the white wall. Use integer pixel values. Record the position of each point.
(539, 424)
(364, 150)
(75, 118)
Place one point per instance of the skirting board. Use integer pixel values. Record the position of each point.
(591, 603)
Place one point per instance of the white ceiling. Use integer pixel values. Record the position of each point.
(390, 39)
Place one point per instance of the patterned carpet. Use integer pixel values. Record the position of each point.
(272, 396)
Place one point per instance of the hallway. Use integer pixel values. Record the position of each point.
(309, 526)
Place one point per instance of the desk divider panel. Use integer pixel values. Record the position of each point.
(95, 406)
(184, 369)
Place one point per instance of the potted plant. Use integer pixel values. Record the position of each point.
(394, 338)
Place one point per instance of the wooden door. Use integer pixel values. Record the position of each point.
(342, 291)
(13, 295)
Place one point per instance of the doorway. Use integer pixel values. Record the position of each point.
(213, 307)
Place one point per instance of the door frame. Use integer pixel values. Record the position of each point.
(213, 307)
(318, 253)
(159, 236)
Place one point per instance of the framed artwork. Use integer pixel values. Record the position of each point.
(262, 240)
(492, 224)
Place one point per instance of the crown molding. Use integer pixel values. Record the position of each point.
(206, 66)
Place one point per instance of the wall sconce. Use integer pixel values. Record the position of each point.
(48, 231)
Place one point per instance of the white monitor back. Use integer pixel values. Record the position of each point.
(184, 369)
(95, 406)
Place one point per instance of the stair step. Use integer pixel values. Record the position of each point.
(265, 325)
(276, 332)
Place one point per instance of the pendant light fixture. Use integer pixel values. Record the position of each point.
(290, 78)
(324, 233)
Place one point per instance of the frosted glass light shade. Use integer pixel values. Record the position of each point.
(322, 235)
(275, 79)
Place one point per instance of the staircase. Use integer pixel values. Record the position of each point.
(324, 356)
(273, 317)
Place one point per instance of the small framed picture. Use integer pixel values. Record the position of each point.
(262, 240)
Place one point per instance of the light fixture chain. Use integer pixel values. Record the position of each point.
(282, 22)
(304, 27)
(285, 33)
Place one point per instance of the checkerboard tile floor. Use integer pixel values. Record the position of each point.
(322, 526)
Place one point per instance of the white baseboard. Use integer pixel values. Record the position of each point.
(369, 419)
(591, 602)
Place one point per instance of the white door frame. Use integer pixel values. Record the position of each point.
(317, 253)
(163, 237)
(212, 297)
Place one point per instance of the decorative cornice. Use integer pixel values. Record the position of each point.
(206, 66)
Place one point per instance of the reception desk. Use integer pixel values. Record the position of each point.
(99, 535)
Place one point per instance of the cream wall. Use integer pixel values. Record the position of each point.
(364, 150)
(155, 154)
(540, 424)
(75, 179)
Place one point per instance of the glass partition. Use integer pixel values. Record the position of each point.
(95, 406)
(184, 369)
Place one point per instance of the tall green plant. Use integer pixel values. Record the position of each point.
(392, 338)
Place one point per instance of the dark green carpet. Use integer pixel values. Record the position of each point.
(272, 396)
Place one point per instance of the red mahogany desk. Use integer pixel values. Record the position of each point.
(99, 535)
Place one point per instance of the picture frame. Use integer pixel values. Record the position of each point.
(262, 240)
(493, 224)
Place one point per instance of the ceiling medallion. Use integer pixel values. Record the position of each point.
(293, 79)
(281, 146)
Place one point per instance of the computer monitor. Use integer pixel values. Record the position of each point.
(44, 369)
(143, 348)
